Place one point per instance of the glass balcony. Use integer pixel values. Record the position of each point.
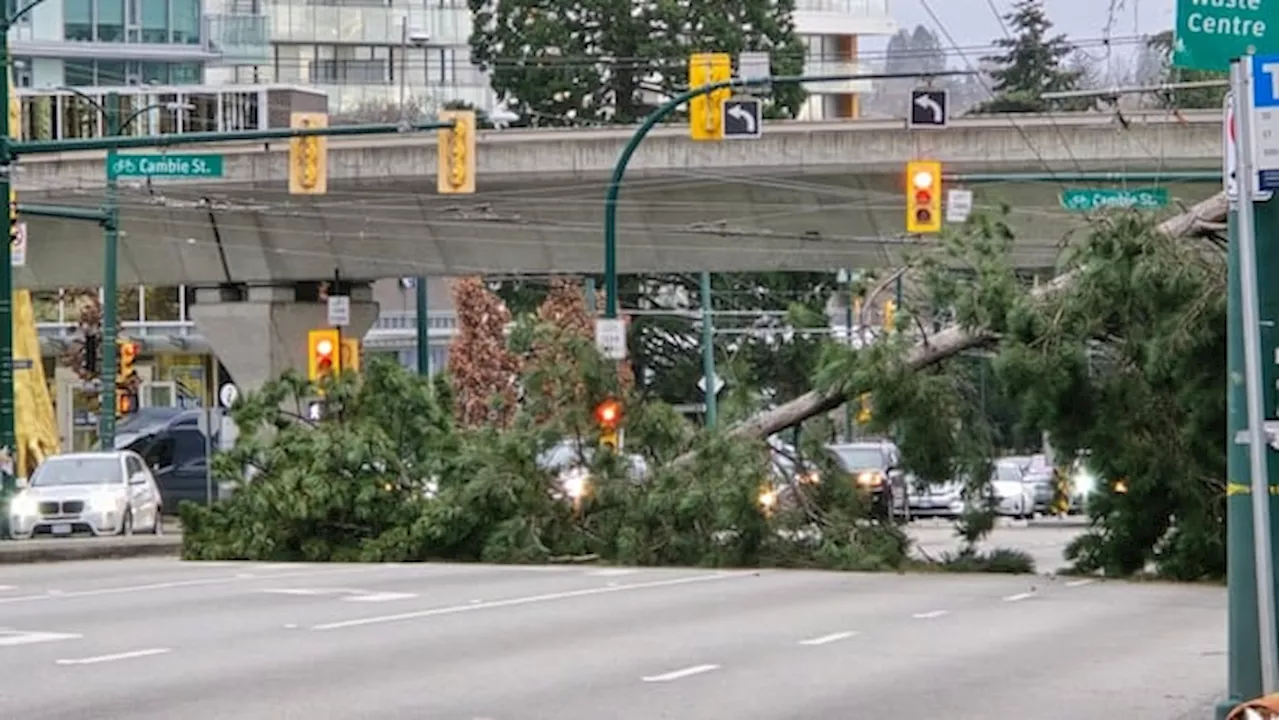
(58, 114)
(238, 39)
(836, 67)
(313, 22)
(354, 98)
(851, 8)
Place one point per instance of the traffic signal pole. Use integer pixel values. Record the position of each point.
(665, 110)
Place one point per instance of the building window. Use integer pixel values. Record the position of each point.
(154, 21)
(81, 73)
(15, 6)
(110, 20)
(351, 65)
(186, 22)
(77, 20)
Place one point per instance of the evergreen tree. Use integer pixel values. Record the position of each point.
(1033, 62)
(1162, 46)
(574, 62)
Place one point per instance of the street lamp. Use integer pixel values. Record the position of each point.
(110, 114)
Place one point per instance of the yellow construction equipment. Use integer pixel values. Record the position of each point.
(36, 426)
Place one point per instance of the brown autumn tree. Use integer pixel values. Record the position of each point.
(563, 317)
(483, 371)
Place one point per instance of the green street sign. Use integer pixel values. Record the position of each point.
(1083, 200)
(1210, 33)
(172, 166)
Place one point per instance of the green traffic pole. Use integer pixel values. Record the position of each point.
(661, 113)
(424, 326)
(1244, 662)
(110, 286)
(708, 352)
(8, 438)
(848, 329)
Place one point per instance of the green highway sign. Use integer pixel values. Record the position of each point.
(1082, 200)
(157, 165)
(1210, 33)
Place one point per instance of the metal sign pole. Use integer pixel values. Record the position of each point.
(1264, 568)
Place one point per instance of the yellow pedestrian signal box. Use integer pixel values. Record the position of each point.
(350, 359)
(924, 196)
(456, 153)
(705, 111)
(308, 156)
(323, 354)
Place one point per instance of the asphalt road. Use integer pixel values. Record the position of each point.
(153, 639)
(1044, 540)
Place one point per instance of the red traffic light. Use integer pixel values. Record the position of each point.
(923, 197)
(608, 413)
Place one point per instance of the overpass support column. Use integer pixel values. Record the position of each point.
(260, 332)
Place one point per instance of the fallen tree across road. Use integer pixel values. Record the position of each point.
(1204, 218)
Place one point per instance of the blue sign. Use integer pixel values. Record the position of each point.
(1266, 81)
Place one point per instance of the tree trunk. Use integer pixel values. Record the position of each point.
(953, 339)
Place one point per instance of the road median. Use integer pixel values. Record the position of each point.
(44, 551)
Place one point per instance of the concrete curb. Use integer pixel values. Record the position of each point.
(45, 551)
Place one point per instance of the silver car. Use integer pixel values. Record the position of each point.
(101, 493)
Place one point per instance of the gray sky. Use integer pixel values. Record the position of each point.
(971, 22)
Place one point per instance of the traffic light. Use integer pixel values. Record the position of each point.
(91, 356)
(864, 408)
(126, 401)
(323, 359)
(924, 196)
(890, 314)
(350, 358)
(609, 416)
(127, 352)
(308, 156)
(456, 153)
(705, 121)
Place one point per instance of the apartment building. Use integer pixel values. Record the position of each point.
(831, 30)
(372, 55)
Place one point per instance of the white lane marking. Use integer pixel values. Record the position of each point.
(611, 572)
(682, 673)
(1019, 596)
(176, 584)
(833, 637)
(525, 600)
(113, 657)
(8, 587)
(1078, 583)
(929, 615)
(347, 595)
(373, 597)
(18, 637)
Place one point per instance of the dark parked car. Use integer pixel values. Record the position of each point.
(873, 466)
(173, 443)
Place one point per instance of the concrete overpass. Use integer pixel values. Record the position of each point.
(806, 196)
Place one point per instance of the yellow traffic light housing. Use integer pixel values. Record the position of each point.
(864, 408)
(126, 401)
(609, 417)
(705, 121)
(890, 314)
(456, 153)
(323, 354)
(127, 352)
(308, 156)
(924, 196)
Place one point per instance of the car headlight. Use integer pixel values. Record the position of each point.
(869, 479)
(103, 502)
(576, 483)
(768, 499)
(22, 505)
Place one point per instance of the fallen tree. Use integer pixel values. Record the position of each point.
(1203, 219)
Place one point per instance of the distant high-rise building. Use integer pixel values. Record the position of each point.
(831, 30)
